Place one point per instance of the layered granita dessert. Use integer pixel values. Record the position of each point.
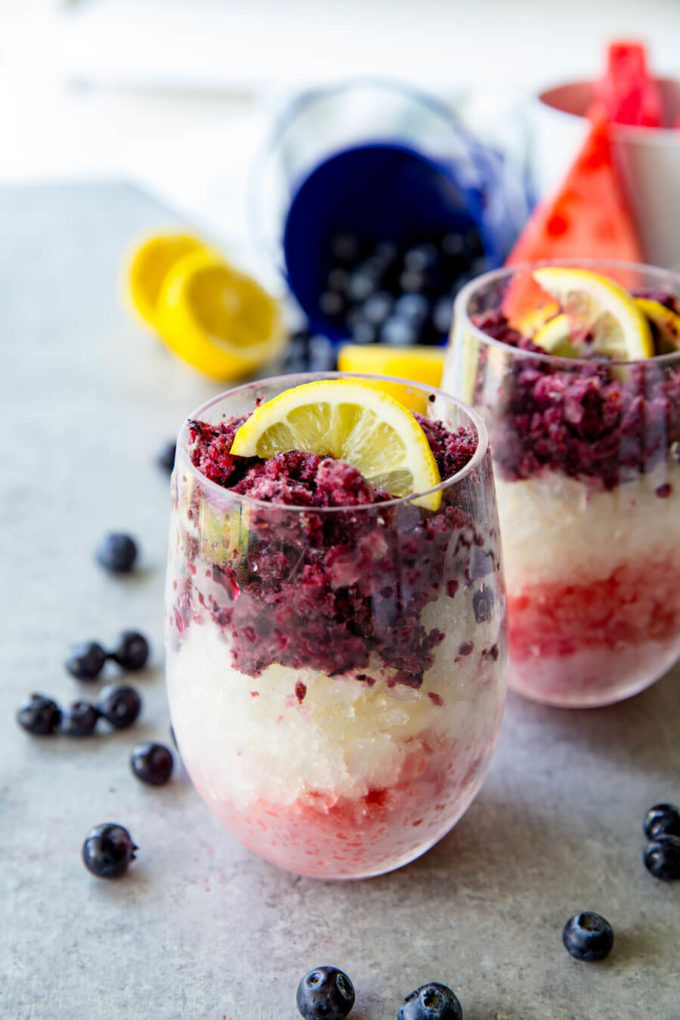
(336, 637)
(576, 371)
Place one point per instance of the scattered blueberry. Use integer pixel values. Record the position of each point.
(588, 936)
(152, 763)
(39, 715)
(79, 720)
(117, 552)
(326, 993)
(431, 1002)
(108, 850)
(86, 660)
(165, 457)
(119, 705)
(662, 820)
(132, 650)
(662, 858)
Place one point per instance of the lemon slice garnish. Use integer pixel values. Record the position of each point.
(553, 337)
(417, 364)
(219, 320)
(601, 307)
(147, 266)
(666, 321)
(352, 421)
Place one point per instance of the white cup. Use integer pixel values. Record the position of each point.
(647, 159)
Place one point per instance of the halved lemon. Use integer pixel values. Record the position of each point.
(147, 266)
(666, 321)
(601, 307)
(352, 421)
(219, 320)
(417, 364)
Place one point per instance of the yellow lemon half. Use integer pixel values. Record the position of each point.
(147, 266)
(220, 321)
(352, 421)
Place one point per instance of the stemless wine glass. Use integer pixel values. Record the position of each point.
(586, 456)
(336, 676)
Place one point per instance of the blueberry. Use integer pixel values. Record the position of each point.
(132, 650)
(117, 552)
(337, 280)
(321, 354)
(363, 332)
(152, 763)
(119, 705)
(412, 282)
(662, 858)
(482, 604)
(588, 936)
(452, 244)
(345, 248)
(377, 307)
(362, 283)
(108, 850)
(39, 715)
(431, 1002)
(165, 455)
(331, 304)
(79, 720)
(412, 307)
(86, 660)
(420, 257)
(326, 993)
(442, 315)
(662, 820)
(399, 332)
(473, 242)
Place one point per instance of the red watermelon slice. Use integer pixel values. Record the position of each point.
(627, 92)
(588, 217)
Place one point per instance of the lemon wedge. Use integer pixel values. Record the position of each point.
(218, 320)
(553, 337)
(603, 308)
(352, 421)
(666, 321)
(147, 266)
(417, 364)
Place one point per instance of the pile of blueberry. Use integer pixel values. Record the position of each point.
(398, 293)
(384, 292)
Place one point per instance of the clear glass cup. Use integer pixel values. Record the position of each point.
(336, 676)
(587, 465)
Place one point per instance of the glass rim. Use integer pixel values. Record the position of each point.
(462, 298)
(184, 461)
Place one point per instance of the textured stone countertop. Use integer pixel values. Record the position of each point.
(199, 927)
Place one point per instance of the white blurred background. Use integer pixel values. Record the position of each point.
(176, 95)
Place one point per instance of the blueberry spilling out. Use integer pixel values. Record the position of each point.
(86, 660)
(108, 850)
(120, 705)
(39, 715)
(132, 650)
(165, 456)
(152, 763)
(662, 820)
(326, 993)
(588, 936)
(79, 720)
(662, 858)
(117, 552)
(431, 1002)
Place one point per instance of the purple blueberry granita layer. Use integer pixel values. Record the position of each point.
(339, 585)
(590, 421)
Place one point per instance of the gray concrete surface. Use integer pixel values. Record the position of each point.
(199, 927)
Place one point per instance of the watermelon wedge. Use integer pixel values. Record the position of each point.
(627, 92)
(588, 217)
